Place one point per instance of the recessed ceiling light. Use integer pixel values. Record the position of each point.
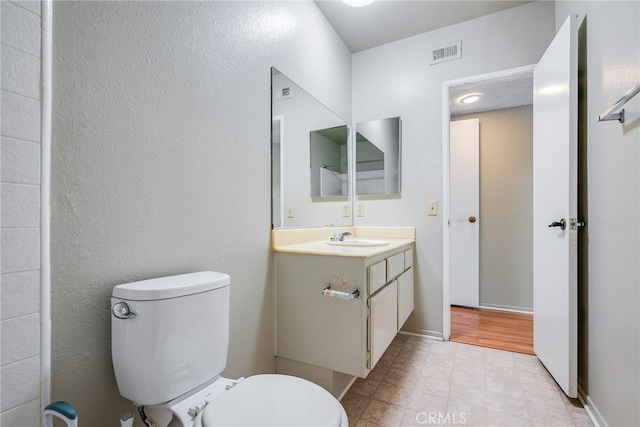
(470, 98)
(357, 3)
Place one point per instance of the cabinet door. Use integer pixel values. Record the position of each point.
(383, 323)
(405, 296)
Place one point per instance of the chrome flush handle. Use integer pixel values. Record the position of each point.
(121, 311)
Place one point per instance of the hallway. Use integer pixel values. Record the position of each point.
(420, 381)
(492, 328)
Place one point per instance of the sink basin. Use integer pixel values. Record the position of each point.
(358, 242)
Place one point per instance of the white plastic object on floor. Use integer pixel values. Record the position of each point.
(126, 420)
(63, 410)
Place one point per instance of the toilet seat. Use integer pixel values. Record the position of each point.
(273, 400)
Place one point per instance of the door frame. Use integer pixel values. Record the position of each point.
(446, 118)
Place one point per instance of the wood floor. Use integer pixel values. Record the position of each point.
(492, 328)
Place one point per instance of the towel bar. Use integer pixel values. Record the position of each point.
(328, 292)
(619, 116)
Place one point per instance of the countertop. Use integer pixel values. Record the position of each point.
(323, 248)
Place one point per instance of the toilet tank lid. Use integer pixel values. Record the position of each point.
(171, 286)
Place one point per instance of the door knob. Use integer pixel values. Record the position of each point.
(472, 219)
(562, 224)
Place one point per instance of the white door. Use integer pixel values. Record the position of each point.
(464, 230)
(555, 127)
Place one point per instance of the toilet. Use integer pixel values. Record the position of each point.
(169, 342)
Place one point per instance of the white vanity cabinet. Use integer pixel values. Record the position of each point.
(389, 308)
(348, 331)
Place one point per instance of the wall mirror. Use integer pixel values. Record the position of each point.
(378, 162)
(309, 160)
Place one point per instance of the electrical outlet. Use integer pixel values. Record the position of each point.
(290, 212)
(346, 211)
(360, 210)
(432, 208)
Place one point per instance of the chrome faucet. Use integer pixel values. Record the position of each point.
(338, 236)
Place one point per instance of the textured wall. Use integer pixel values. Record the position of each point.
(21, 350)
(609, 246)
(396, 80)
(506, 207)
(161, 151)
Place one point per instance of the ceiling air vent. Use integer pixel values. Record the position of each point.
(447, 53)
(283, 93)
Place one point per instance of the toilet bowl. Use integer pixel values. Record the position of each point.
(265, 400)
(169, 347)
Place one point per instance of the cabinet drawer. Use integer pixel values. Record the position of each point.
(377, 276)
(405, 296)
(408, 258)
(395, 266)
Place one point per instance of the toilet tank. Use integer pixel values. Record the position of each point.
(169, 335)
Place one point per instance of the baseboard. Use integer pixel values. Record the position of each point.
(591, 410)
(346, 389)
(422, 333)
(508, 309)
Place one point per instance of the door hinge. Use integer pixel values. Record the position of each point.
(368, 360)
(574, 224)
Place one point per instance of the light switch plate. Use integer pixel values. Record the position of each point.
(346, 211)
(290, 212)
(360, 210)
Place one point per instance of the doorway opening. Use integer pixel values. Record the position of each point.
(488, 265)
(492, 328)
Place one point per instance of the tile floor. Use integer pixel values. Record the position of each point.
(424, 382)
